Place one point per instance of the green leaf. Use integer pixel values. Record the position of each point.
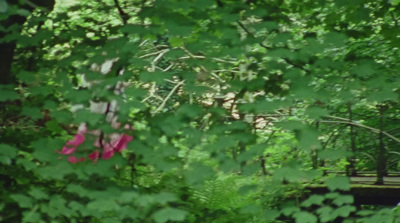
(41, 90)
(128, 196)
(165, 197)
(332, 195)
(169, 214)
(305, 217)
(57, 207)
(103, 205)
(176, 41)
(28, 165)
(291, 125)
(30, 216)
(44, 149)
(103, 169)
(344, 211)
(86, 116)
(364, 68)
(3, 6)
(54, 126)
(335, 39)
(190, 111)
(308, 138)
(58, 171)
(343, 199)
(23, 12)
(395, 2)
(62, 116)
(157, 77)
(334, 154)
(313, 200)
(38, 194)
(326, 214)
(289, 209)
(294, 174)
(5, 160)
(271, 215)
(26, 76)
(253, 209)
(77, 189)
(22, 200)
(7, 93)
(316, 112)
(8, 150)
(198, 173)
(338, 183)
(77, 96)
(33, 112)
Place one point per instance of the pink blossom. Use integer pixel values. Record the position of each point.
(108, 151)
(94, 155)
(67, 150)
(73, 159)
(122, 142)
(78, 139)
(116, 143)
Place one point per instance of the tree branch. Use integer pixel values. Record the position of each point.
(124, 16)
(347, 122)
(394, 19)
(269, 48)
(168, 97)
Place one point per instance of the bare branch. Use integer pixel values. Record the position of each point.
(394, 19)
(124, 16)
(176, 87)
(252, 35)
(203, 58)
(374, 130)
(153, 53)
(160, 55)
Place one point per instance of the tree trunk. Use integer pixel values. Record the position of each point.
(7, 48)
(381, 162)
(351, 167)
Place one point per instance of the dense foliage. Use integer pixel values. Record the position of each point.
(234, 108)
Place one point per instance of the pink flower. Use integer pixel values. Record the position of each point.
(77, 140)
(72, 144)
(67, 150)
(122, 142)
(94, 155)
(108, 151)
(73, 159)
(116, 143)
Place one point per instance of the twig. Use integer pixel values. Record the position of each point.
(31, 4)
(154, 53)
(269, 48)
(394, 19)
(153, 63)
(338, 118)
(252, 35)
(124, 16)
(217, 77)
(192, 56)
(374, 130)
(168, 97)
(203, 58)
(166, 69)
(152, 94)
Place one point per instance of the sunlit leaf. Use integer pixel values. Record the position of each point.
(338, 183)
(169, 214)
(305, 217)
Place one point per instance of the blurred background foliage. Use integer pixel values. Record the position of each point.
(236, 106)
